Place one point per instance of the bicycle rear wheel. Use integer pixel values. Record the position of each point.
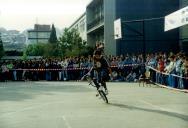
(103, 95)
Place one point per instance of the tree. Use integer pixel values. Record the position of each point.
(53, 36)
(1, 47)
(24, 56)
(72, 44)
(52, 50)
(36, 49)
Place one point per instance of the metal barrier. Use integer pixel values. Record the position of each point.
(170, 81)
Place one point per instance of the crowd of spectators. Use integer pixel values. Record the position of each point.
(170, 70)
(68, 68)
(124, 68)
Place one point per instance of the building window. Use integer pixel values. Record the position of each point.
(82, 25)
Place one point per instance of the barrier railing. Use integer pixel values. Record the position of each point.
(164, 73)
(64, 69)
(180, 86)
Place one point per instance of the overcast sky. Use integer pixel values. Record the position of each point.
(23, 14)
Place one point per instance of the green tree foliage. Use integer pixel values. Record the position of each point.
(71, 44)
(24, 56)
(42, 49)
(36, 49)
(52, 50)
(1, 47)
(53, 36)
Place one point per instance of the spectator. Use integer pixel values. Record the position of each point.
(185, 66)
(4, 71)
(178, 69)
(171, 70)
(131, 77)
(160, 68)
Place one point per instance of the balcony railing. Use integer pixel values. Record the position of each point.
(95, 22)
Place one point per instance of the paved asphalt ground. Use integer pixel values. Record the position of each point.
(74, 105)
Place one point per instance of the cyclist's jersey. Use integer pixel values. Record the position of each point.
(101, 63)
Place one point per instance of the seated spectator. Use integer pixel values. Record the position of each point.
(115, 76)
(131, 77)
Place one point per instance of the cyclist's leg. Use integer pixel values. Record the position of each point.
(104, 78)
(103, 83)
(95, 79)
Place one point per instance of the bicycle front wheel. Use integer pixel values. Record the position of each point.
(103, 95)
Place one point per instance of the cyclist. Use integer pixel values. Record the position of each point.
(101, 70)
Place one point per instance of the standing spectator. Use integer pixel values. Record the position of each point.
(10, 67)
(4, 71)
(76, 65)
(14, 71)
(171, 70)
(153, 63)
(59, 69)
(179, 63)
(185, 64)
(70, 68)
(160, 68)
(47, 67)
(64, 65)
(181, 83)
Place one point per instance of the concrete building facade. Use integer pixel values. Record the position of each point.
(100, 18)
(101, 14)
(80, 25)
(40, 34)
(184, 30)
(152, 30)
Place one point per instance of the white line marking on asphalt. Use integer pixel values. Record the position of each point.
(66, 122)
(160, 108)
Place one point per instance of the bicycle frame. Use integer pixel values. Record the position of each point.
(92, 83)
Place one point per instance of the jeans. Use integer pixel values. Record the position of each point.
(48, 75)
(15, 75)
(64, 75)
(171, 80)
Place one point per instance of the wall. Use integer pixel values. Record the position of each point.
(184, 30)
(157, 39)
(109, 17)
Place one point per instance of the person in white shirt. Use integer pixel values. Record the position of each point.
(171, 70)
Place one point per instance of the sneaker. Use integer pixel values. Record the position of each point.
(97, 94)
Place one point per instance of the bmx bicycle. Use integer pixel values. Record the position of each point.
(100, 90)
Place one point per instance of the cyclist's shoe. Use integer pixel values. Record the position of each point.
(106, 92)
(97, 94)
